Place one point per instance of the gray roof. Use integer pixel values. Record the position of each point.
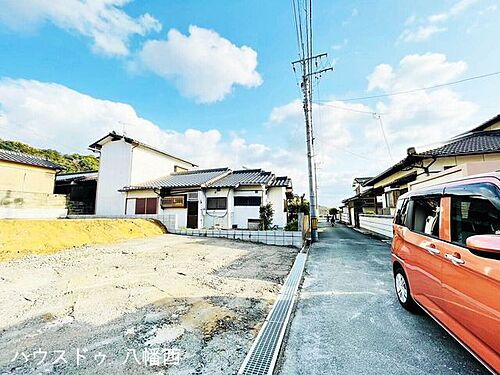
(244, 177)
(478, 142)
(18, 157)
(77, 176)
(362, 180)
(186, 179)
(484, 125)
(282, 181)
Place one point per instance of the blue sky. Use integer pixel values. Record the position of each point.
(212, 80)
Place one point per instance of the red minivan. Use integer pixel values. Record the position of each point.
(446, 260)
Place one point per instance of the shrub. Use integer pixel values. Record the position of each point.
(292, 225)
(266, 216)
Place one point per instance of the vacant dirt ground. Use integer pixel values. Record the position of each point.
(22, 237)
(203, 298)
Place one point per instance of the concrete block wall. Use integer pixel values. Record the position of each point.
(16, 204)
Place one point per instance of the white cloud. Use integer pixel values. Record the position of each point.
(429, 26)
(104, 21)
(203, 64)
(351, 144)
(339, 46)
(55, 116)
(455, 10)
(423, 117)
(421, 34)
(416, 71)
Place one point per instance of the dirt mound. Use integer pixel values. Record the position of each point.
(19, 238)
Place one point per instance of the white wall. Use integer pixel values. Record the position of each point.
(114, 174)
(32, 213)
(148, 165)
(122, 164)
(180, 213)
(213, 218)
(380, 224)
(276, 196)
(241, 214)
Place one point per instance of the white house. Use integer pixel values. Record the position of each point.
(123, 162)
(137, 179)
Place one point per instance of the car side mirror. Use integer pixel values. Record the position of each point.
(484, 242)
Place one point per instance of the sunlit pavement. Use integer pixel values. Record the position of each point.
(348, 320)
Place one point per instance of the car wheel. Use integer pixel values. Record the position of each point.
(403, 291)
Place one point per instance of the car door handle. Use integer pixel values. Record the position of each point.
(431, 250)
(456, 261)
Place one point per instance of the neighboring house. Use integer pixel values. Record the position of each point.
(481, 144)
(136, 179)
(213, 198)
(80, 187)
(125, 162)
(363, 202)
(27, 187)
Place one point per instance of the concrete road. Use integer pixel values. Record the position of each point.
(348, 319)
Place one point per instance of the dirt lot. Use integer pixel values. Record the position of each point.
(202, 298)
(19, 238)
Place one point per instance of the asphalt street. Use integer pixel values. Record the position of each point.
(348, 319)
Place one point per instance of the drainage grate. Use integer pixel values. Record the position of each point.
(263, 354)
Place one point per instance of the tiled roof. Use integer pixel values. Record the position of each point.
(484, 125)
(77, 176)
(282, 181)
(474, 143)
(186, 179)
(362, 180)
(18, 157)
(244, 177)
(480, 142)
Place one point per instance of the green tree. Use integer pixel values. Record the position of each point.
(266, 216)
(333, 211)
(72, 162)
(296, 205)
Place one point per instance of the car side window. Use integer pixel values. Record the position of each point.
(401, 212)
(426, 215)
(471, 215)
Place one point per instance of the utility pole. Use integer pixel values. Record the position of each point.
(309, 70)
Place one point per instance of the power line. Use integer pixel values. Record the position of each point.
(421, 88)
(377, 116)
(319, 102)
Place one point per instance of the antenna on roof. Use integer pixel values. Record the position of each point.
(124, 127)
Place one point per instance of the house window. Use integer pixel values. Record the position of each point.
(247, 201)
(391, 198)
(217, 203)
(146, 206)
(173, 201)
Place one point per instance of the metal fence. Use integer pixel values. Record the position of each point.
(268, 237)
(168, 220)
